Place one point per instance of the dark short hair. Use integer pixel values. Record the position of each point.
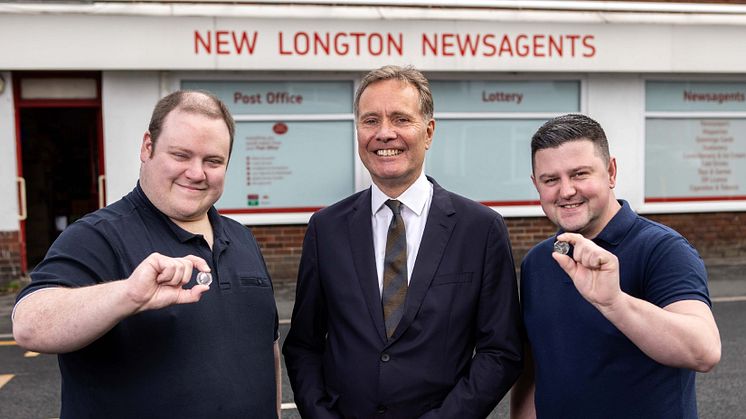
(407, 74)
(570, 127)
(191, 101)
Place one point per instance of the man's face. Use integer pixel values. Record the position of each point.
(183, 174)
(392, 134)
(575, 187)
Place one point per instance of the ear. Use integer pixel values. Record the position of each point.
(612, 172)
(146, 148)
(430, 131)
(533, 180)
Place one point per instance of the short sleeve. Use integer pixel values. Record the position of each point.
(675, 272)
(80, 256)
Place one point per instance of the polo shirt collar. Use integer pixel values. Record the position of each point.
(619, 224)
(414, 198)
(182, 235)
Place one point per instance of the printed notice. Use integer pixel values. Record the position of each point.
(695, 159)
(286, 165)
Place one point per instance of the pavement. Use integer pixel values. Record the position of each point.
(726, 282)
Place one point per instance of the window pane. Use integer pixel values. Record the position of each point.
(289, 165)
(496, 96)
(280, 97)
(485, 160)
(663, 96)
(695, 159)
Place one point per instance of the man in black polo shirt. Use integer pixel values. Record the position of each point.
(116, 296)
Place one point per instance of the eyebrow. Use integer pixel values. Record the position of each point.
(190, 152)
(573, 170)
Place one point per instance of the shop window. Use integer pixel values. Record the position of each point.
(482, 143)
(695, 141)
(294, 144)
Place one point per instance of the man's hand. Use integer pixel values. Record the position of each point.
(593, 270)
(158, 281)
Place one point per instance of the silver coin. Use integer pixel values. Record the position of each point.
(204, 278)
(561, 247)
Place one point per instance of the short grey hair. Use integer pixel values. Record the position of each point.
(407, 74)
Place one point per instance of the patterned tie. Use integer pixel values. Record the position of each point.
(394, 270)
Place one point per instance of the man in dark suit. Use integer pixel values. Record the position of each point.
(406, 302)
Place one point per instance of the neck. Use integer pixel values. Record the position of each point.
(394, 190)
(201, 226)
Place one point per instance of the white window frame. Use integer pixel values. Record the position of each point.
(686, 206)
(172, 82)
(511, 210)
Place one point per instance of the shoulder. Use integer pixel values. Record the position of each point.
(118, 213)
(354, 202)
(463, 205)
(651, 235)
(105, 221)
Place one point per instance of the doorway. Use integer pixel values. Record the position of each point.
(60, 160)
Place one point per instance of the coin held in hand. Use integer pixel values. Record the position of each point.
(562, 248)
(204, 278)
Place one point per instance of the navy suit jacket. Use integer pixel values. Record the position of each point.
(457, 349)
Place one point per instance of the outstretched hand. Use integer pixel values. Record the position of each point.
(593, 270)
(158, 281)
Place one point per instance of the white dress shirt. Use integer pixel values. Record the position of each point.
(416, 202)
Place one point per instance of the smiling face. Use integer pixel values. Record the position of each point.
(183, 175)
(575, 186)
(392, 134)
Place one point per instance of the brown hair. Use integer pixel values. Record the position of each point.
(570, 127)
(192, 101)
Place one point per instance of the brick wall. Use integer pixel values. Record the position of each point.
(281, 246)
(10, 257)
(719, 237)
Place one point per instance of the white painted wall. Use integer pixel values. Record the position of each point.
(9, 203)
(617, 102)
(128, 99)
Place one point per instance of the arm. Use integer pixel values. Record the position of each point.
(522, 395)
(306, 340)
(683, 334)
(278, 377)
(498, 351)
(57, 320)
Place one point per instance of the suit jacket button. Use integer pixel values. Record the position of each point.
(385, 357)
(381, 409)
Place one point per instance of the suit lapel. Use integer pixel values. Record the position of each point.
(361, 243)
(438, 229)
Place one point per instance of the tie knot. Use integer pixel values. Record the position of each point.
(394, 205)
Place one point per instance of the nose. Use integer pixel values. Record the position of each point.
(567, 189)
(386, 131)
(194, 171)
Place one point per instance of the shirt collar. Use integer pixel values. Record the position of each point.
(414, 198)
(619, 224)
(181, 234)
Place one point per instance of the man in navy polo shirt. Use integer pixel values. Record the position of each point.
(618, 326)
(116, 296)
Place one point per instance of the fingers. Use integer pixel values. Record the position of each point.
(176, 271)
(198, 263)
(586, 253)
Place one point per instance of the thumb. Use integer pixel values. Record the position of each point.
(191, 295)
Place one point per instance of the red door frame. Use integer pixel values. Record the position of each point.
(20, 103)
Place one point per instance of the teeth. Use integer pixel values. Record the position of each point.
(388, 152)
(570, 205)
